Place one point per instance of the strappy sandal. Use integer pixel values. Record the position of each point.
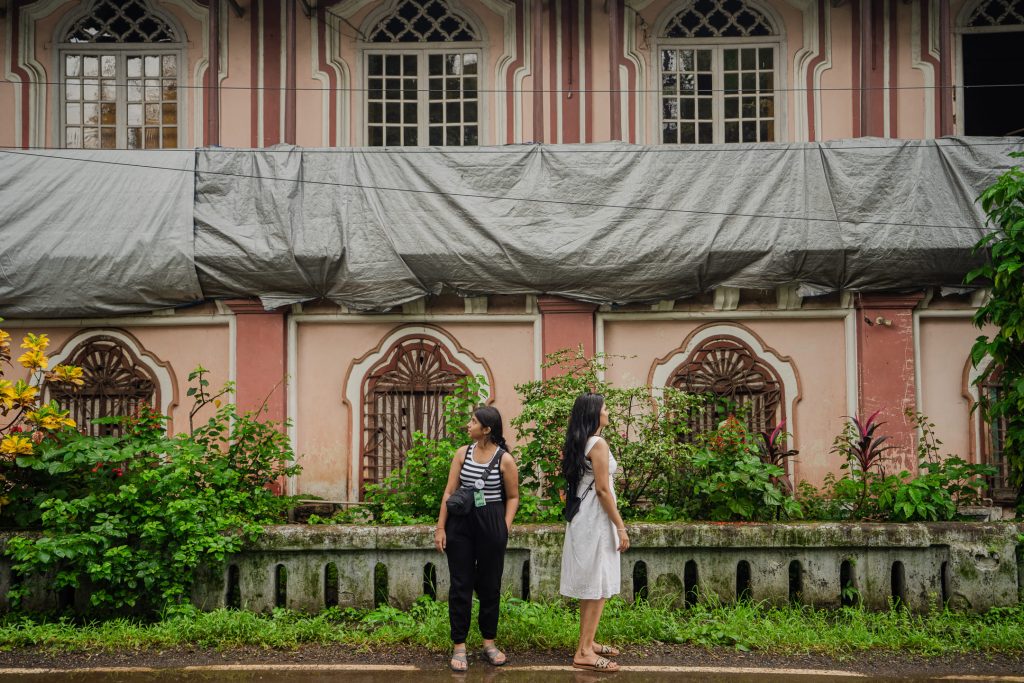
(608, 651)
(490, 653)
(600, 664)
(459, 656)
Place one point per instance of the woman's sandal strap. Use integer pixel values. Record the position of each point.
(459, 656)
(491, 653)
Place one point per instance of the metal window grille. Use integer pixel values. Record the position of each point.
(997, 13)
(995, 439)
(116, 384)
(404, 394)
(111, 21)
(719, 19)
(419, 21)
(728, 369)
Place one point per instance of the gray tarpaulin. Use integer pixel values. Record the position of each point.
(612, 223)
(84, 238)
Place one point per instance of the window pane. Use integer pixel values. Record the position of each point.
(169, 113)
(91, 138)
(376, 136)
(152, 138)
(731, 109)
(731, 83)
(392, 112)
(703, 60)
(91, 90)
(134, 67)
(73, 89)
(73, 65)
(469, 64)
(470, 137)
(134, 114)
(152, 65)
(452, 136)
(765, 58)
(134, 90)
(767, 131)
(393, 136)
(170, 91)
(436, 112)
(375, 65)
(469, 113)
(704, 84)
(687, 108)
(669, 108)
(134, 138)
(767, 81)
(108, 66)
(669, 134)
(409, 65)
(704, 108)
(411, 136)
(409, 112)
(749, 82)
(73, 113)
(767, 109)
(108, 113)
(669, 84)
(436, 136)
(393, 65)
(108, 90)
(91, 66)
(375, 112)
(749, 131)
(704, 131)
(732, 131)
(170, 64)
(687, 133)
(435, 65)
(108, 137)
(152, 116)
(748, 107)
(730, 59)
(91, 113)
(170, 137)
(73, 137)
(453, 113)
(748, 58)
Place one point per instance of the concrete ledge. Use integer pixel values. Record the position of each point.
(967, 565)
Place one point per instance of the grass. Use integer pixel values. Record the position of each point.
(531, 625)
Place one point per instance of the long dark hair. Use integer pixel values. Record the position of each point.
(583, 422)
(489, 416)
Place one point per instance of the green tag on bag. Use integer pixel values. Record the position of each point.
(478, 498)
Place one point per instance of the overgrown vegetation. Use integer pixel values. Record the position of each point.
(132, 516)
(1004, 272)
(534, 625)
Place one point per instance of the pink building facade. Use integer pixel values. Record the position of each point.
(152, 74)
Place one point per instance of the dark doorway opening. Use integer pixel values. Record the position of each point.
(991, 62)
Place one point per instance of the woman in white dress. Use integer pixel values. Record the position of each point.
(596, 535)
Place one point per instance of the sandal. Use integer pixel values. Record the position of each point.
(458, 656)
(607, 651)
(600, 664)
(490, 653)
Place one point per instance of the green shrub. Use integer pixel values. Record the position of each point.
(131, 517)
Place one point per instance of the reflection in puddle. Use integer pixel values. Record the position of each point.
(477, 675)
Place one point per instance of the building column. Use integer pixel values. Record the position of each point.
(886, 370)
(261, 361)
(565, 324)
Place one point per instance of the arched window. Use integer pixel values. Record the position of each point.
(121, 64)
(729, 369)
(992, 32)
(117, 382)
(402, 394)
(422, 64)
(718, 70)
(993, 441)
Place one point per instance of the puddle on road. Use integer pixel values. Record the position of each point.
(474, 676)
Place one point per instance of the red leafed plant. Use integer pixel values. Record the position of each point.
(773, 451)
(863, 451)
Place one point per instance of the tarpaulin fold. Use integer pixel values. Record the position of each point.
(372, 228)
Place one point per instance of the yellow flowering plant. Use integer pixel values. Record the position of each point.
(24, 421)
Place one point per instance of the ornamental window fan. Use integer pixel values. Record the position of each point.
(423, 77)
(728, 369)
(117, 383)
(120, 69)
(718, 71)
(404, 393)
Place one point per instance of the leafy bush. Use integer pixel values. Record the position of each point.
(1003, 201)
(131, 517)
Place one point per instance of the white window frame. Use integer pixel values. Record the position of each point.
(717, 46)
(959, 31)
(423, 52)
(121, 50)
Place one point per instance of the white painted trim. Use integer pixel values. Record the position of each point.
(421, 318)
(927, 69)
(802, 60)
(636, 54)
(120, 321)
(946, 313)
(972, 390)
(852, 373)
(292, 387)
(357, 374)
(915, 331)
(538, 348)
(773, 313)
(162, 375)
(321, 76)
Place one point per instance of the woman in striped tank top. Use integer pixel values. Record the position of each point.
(475, 543)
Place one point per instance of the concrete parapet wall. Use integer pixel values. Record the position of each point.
(970, 566)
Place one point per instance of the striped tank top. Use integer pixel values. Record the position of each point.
(471, 471)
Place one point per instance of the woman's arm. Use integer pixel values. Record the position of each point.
(510, 476)
(440, 539)
(599, 461)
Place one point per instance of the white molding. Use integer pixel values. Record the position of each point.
(292, 393)
(802, 60)
(788, 297)
(37, 92)
(918, 62)
(758, 314)
(357, 375)
(162, 374)
(973, 374)
(121, 321)
(475, 304)
(852, 366)
(634, 53)
(425, 318)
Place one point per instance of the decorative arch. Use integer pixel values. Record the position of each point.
(423, 21)
(125, 21)
(992, 14)
(987, 36)
(119, 375)
(731, 361)
(718, 19)
(397, 389)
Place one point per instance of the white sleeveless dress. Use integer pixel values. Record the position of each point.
(590, 561)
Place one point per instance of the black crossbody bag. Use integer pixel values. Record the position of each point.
(460, 503)
(573, 503)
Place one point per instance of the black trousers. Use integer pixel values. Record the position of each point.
(476, 559)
